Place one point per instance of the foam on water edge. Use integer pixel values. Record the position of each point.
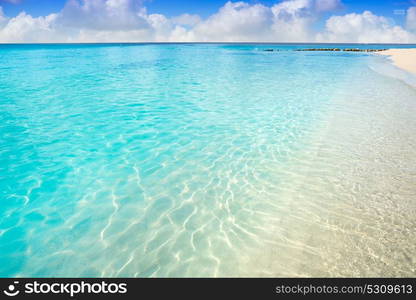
(379, 65)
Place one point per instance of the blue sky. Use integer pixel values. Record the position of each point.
(208, 20)
(204, 8)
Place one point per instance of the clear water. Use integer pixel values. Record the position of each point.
(204, 160)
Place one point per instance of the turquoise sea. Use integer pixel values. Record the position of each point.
(200, 160)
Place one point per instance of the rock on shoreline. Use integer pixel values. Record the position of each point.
(345, 50)
(331, 49)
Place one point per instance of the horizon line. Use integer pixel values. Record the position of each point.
(207, 43)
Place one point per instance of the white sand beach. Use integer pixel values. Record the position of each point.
(402, 58)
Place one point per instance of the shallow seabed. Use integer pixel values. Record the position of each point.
(204, 160)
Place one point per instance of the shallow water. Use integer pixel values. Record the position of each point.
(204, 160)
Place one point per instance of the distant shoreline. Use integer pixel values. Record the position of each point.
(402, 58)
(223, 43)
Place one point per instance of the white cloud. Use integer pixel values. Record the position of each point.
(292, 8)
(128, 21)
(327, 5)
(104, 15)
(411, 18)
(287, 21)
(88, 21)
(292, 20)
(3, 18)
(236, 21)
(364, 28)
(25, 28)
(187, 19)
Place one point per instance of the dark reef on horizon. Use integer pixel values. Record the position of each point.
(332, 49)
(347, 50)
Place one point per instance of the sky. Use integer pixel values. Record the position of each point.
(346, 21)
